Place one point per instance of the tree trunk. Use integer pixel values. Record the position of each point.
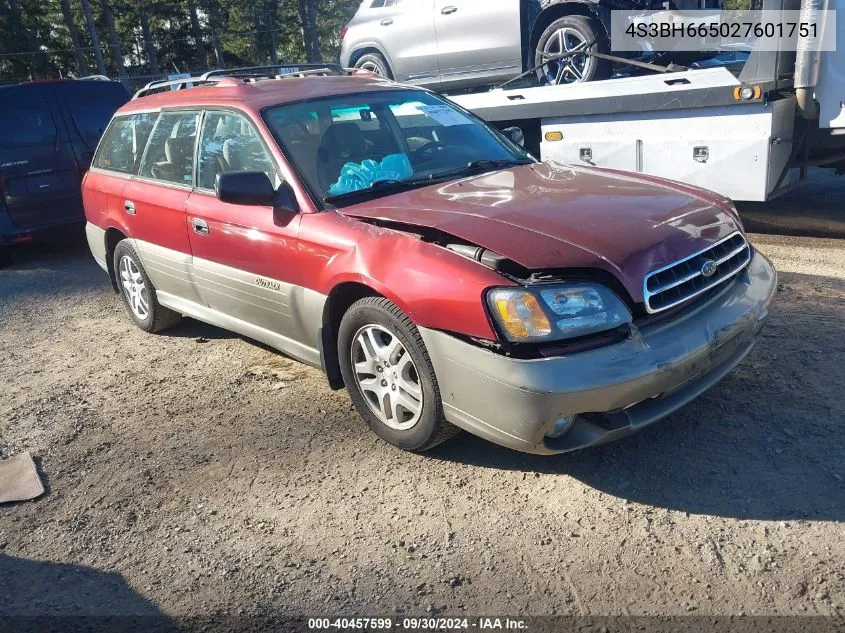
(81, 62)
(148, 42)
(308, 16)
(273, 11)
(92, 33)
(114, 42)
(196, 33)
(214, 23)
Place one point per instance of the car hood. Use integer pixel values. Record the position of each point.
(550, 216)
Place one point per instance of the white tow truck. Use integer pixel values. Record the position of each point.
(748, 133)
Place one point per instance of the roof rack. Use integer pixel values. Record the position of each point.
(277, 70)
(246, 73)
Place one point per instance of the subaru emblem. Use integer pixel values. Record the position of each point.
(708, 268)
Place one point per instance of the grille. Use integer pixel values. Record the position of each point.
(678, 282)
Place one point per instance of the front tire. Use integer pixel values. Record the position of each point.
(389, 376)
(564, 34)
(138, 293)
(374, 63)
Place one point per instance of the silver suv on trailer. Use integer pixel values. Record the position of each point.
(456, 44)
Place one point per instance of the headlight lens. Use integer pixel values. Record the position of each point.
(520, 315)
(556, 311)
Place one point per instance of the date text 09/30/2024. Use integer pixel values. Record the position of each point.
(417, 624)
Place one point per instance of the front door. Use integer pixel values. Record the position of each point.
(154, 204)
(245, 258)
(477, 40)
(405, 29)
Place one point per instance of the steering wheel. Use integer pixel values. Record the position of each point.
(424, 153)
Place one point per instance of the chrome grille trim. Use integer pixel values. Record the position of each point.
(682, 280)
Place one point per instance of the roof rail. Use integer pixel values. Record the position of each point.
(179, 83)
(247, 73)
(276, 70)
(94, 78)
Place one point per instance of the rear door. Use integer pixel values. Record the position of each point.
(405, 29)
(246, 258)
(39, 176)
(154, 203)
(477, 40)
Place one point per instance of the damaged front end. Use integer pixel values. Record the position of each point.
(556, 404)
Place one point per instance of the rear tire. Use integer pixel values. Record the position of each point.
(375, 63)
(385, 366)
(564, 34)
(138, 293)
(5, 256)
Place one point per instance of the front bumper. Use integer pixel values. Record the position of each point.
(621, 388)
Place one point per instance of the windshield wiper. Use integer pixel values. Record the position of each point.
(475, 166)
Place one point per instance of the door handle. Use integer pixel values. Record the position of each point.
(129, 207)
(200, 226)
(448, 10)
(386, 22)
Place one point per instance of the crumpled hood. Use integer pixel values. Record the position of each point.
(546, 216)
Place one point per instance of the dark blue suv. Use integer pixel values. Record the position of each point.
(48, 133)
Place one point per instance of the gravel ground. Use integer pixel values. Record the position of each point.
(196, 472)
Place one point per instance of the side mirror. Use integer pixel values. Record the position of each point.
(515, 134)
(254, 188)
(245, 187)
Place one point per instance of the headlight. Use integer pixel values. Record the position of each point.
(556, 311)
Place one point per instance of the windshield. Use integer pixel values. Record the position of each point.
(350, 144)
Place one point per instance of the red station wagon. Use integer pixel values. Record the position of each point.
(422, 259)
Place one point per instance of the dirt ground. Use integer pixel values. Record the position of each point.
(196, 472)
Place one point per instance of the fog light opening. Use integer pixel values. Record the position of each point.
(561, 427)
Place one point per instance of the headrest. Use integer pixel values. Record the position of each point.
(178, 148)
(345, 139)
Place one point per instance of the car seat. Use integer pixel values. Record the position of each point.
(341, 143)
(177, 168)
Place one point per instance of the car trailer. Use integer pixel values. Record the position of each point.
(749, 135)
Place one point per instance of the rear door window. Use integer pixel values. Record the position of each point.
(170, 154)
(124, 142)
(29, 119)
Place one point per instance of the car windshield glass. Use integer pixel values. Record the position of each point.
(344, 146)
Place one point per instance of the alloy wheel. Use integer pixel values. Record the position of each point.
(570, 69)
(134, 288)
(387, 377)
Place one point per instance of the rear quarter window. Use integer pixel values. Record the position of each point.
(28, 119)
(124, 142)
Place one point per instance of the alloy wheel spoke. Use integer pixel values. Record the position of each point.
(367, 348)
(366, 367)
(409, 387)
(410, 404)
(373, 385)
(572, 69)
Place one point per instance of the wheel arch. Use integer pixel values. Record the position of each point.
(587, 8)
(358, 53)
(341, 297)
